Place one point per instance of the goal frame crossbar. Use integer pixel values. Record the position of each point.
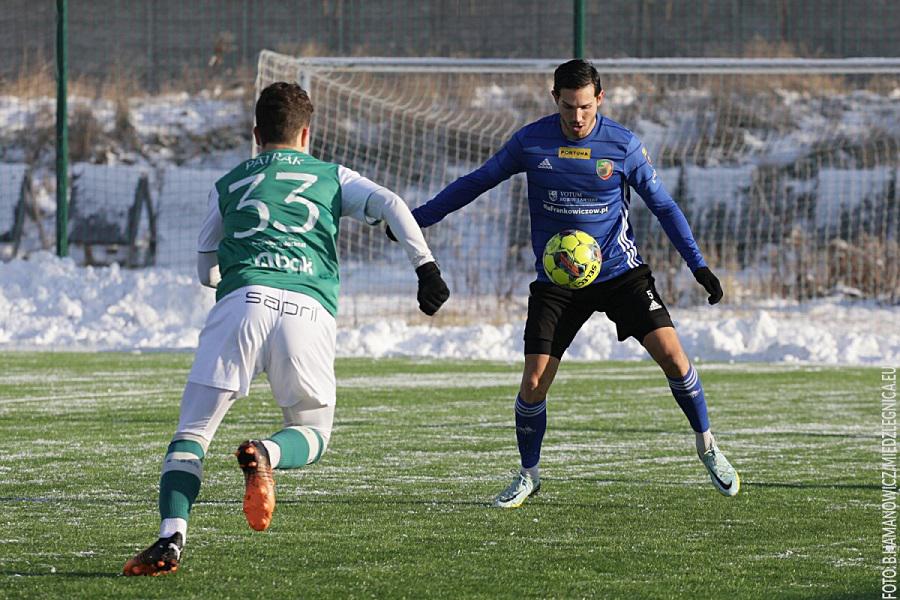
(752, 66)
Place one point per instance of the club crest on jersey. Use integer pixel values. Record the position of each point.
(605, 168)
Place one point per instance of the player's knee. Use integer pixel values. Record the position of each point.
(533, 390)
(674, 363)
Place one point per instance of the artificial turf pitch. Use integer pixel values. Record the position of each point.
(399, 505)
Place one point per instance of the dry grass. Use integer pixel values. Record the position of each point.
(120, 84)
(32, 81)
(89, 139)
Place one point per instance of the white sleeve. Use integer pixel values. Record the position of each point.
(208, 269)
(211, 231)
(355, 192)
(365, 200)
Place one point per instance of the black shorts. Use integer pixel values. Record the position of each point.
(555, 314)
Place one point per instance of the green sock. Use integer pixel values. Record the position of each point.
(300, 446)
(179, 484)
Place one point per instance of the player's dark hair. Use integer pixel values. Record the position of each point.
(283, 109)
(576, 74)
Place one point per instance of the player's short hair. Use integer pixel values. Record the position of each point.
(283, 109)
(576, 74)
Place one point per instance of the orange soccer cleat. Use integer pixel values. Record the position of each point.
(259, 494)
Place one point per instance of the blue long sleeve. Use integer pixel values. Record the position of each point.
(502, 165)
(642, 177)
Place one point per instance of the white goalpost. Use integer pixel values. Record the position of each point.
(786, 169)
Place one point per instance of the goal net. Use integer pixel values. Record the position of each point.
(786, 169)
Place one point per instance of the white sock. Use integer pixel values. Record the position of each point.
(534, 472)
(704, 441)
(274, 451)
(170, 527)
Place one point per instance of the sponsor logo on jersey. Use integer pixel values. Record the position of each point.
(605, 168)
(646, 155)
(272, 260)
(545, 164)
(568, 202)
(575, 210)
(579, 153)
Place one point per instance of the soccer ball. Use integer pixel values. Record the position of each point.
(572, 259)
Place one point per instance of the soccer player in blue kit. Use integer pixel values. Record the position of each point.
(580, 166)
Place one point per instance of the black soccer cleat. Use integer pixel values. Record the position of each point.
(159, 559)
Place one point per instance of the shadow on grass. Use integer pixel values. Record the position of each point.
(745, 484)
(392, 499)
(803, 486)
(731, 435)
(337, 500)
(73, 574)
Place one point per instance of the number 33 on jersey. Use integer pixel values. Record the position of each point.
(274, 221)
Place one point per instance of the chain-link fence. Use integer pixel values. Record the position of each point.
(158, 42)
(160, 98)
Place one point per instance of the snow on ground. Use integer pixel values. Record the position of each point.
(187, 141)
(48, 303)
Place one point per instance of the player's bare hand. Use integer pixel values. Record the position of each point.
(433, 292)
(710, 283)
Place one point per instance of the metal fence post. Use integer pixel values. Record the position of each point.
(578, 50)
(62, 132)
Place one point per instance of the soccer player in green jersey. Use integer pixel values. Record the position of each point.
(269, 248)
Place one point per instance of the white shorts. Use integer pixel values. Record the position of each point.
(257, 328)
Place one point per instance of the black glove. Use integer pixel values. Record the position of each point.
(433, 292)
(710, 283)
(389, 233)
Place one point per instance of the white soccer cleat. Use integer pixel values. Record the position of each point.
(723, 476)
(514, 495)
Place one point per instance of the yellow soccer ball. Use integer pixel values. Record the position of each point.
(572, 259)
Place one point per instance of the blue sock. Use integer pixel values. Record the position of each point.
(531, 423)
(688, 392)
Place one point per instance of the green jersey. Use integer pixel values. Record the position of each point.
(274, 221)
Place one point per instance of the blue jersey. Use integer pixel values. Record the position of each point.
(576, 184)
